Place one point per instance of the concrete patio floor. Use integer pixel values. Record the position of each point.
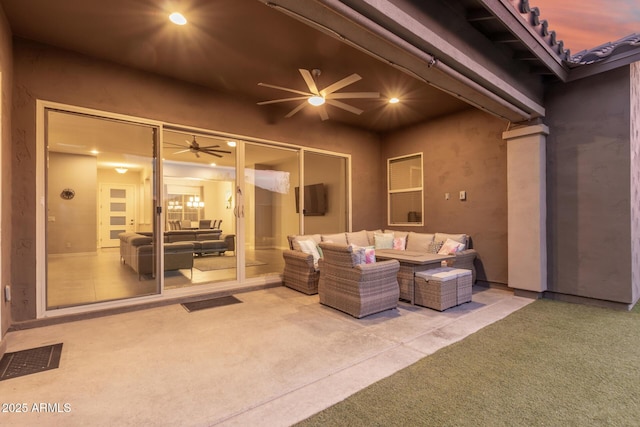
(273, 360)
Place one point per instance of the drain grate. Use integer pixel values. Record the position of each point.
(210, 303)
(30, 361)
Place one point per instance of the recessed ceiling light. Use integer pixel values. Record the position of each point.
(231, 143)
(213, 164)
(94, 152)
(121, 170)
(394, 100)
(316, 100)
(177, 18)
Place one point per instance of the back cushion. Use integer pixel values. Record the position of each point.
(294, 240)
(419, 241)
(370, 236)
(359, 238)
(442, 237)
(397, 233)
(338, 238)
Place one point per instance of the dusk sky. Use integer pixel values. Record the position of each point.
(584, 24)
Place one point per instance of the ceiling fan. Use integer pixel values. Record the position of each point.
(196, 149)
(318, 97)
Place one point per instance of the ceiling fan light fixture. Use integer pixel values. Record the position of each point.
(177, 18)
(316, 100)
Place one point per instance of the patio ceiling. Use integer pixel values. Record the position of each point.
(230, 46)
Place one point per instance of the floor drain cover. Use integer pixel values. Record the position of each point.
(30, 361)
(209, 303)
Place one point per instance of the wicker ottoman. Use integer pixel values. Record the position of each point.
(436, 288)
(443, 288)
(465, 281)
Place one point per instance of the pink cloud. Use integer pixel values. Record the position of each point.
(582, 24)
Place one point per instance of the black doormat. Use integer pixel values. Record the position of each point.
(30, 361)
(210, 303)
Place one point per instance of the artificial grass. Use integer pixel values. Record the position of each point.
(550, 363)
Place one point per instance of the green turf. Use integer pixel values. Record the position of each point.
(548, 364)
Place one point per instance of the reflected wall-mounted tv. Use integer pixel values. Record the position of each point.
(315, 199)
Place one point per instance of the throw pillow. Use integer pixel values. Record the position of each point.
(383, 240)
(309, 247)
(358, 254)
(370, 255)
(399, 243)
(434, 247)
(450, 247)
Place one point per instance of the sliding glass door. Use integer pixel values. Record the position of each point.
(199, 180)
(99, 183)
(267, 208)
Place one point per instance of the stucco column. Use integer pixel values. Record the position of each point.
(527, 205)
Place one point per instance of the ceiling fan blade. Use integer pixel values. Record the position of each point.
(323, 113)
(273, 101)
(285, 89)
(344, 106)
(197, 154)
(182, 151)
(298, 108)
(210, 146)
(353, 95)
(308, 79)
(215, 151)
(340, 84)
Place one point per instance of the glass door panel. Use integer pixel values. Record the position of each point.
(271, 175)
(325, 198)
(199, 180)
(99, 195)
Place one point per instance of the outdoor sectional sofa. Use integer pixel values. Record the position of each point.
(180, 247)
(301, 270)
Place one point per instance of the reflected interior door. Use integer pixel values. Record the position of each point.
(117, 212)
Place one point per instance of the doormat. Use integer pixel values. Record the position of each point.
(30, 361)
(210, 303)
(214, 262)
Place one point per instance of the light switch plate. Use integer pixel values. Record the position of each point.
(463, 195)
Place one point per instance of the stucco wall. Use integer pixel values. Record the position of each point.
(43, 72)
(635, 179)
(6, 68)
(466, 152)
(588, 187)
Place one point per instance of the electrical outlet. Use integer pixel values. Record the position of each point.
(446, 196)
(7, 294)
(463, 195)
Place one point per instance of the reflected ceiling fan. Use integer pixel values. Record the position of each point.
(196, 148)
(319, 97)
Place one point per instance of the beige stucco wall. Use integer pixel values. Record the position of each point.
(464, 151)
(588, 187)
(50, 74)
(6, 68)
